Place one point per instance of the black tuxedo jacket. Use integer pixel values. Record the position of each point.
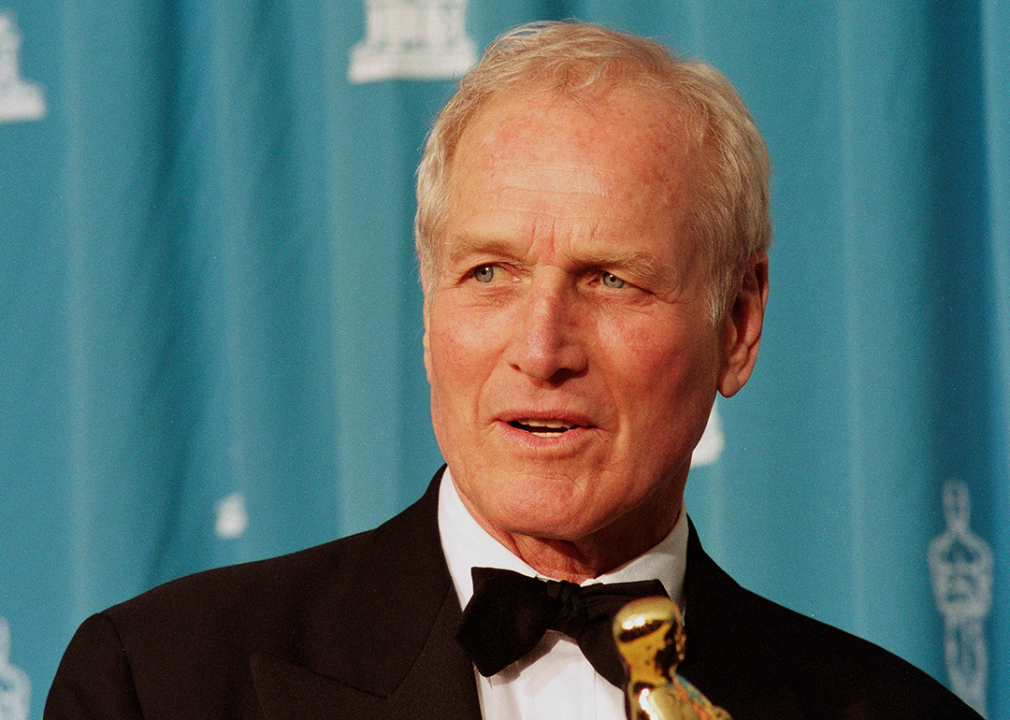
(363, 628)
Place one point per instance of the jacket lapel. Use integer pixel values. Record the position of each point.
(383, 647)
(439, 685)
(730, 657)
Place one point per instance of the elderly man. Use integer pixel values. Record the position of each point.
(593, 232)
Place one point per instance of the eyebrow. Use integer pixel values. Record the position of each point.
(463, 246)
(636, 267)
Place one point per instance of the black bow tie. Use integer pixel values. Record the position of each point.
(509, 613)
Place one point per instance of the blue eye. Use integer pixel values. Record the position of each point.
(611, 281)
(484, 273)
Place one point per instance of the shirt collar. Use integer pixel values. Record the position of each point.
(466, 544)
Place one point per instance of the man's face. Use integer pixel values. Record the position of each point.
(568, 343)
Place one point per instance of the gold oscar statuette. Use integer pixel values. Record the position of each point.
(650, 637)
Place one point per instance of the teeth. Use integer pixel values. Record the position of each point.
(542, 427)
(556, 424)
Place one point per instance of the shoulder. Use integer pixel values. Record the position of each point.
(276, 594)
(792, 660)
(200, 631)
(253, 591)
(839, 674)
(315, 608)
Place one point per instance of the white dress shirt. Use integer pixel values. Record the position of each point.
(554, 681)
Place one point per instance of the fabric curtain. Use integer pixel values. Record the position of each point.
(210, 320)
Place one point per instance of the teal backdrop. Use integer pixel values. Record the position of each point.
(210, 325)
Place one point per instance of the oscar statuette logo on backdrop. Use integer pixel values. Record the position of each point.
(412, 40)
(961, 566)
(15, 689)
(20, 100)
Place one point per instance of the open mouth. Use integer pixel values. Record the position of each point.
(543, 428)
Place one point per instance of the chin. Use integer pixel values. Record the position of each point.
(541, 528)
(550, 519)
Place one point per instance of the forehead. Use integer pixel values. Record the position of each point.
(614, 154)
(650, 134)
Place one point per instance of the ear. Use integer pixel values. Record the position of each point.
(742, 325)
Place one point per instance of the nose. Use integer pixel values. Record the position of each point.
(547, 341)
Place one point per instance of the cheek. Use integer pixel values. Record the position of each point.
(453, 350)
(461, 352)
(464, 339)
(671, 373)
(448, 395)
(644, 352)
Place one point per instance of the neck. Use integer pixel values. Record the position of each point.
(595, 554)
